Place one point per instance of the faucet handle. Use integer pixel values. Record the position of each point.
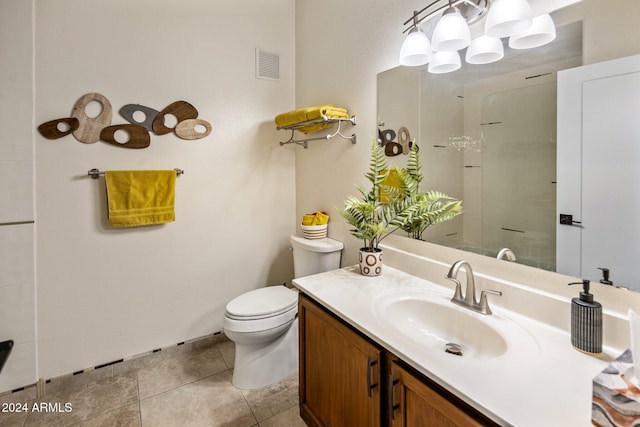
(484, 304)
(458, 292)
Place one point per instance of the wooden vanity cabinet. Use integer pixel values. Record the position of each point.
(339, 372)
(346, 380)
(413, 403)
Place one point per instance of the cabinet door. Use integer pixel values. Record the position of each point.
(412, 403)
(339, 372)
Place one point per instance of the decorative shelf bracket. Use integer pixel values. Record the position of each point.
(323, 119)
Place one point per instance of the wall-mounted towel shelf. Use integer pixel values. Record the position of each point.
(322, 120)
(95, 173)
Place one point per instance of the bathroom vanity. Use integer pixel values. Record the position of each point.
(346, 379)
(373, 350)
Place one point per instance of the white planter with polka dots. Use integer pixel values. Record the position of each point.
(370, 262)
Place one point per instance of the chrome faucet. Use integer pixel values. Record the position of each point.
(469, 299)
(508, 253)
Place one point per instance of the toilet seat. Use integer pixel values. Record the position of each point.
(262, 303)
(282, 320)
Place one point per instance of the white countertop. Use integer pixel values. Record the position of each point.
(548, 385)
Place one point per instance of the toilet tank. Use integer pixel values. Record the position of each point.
(315, 256)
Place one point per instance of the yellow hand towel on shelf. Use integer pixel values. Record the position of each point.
(139, 198)
(311, 113)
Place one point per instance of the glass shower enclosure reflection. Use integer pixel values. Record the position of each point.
(519, 173)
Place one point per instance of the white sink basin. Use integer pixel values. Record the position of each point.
(431, 320)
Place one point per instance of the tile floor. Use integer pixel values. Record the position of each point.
(186, 385)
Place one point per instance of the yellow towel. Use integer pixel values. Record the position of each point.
(311, 113)
(140, 197)
(392, 180)
(316, 218)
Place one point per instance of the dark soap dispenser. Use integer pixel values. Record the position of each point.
(586, 321)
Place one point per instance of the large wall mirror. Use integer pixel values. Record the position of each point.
(487, 135)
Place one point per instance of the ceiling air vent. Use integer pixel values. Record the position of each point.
(267, 65)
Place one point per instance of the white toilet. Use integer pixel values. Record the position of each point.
(263, 323)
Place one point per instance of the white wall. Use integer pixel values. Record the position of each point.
(106, 293)
(340, 48)
(17, 290)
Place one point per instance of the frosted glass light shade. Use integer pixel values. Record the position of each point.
(484, 50)
(445, 62)
(416, 49)
(451, 32)
(507, 17)
(541, 32)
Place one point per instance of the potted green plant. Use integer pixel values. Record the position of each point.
(389, 206)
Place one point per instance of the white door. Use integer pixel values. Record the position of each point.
(599, 170)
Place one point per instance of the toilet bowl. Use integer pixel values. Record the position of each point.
(263, 323)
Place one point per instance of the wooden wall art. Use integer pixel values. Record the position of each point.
(129, 112)
(180, 109)
(142, 120)
(90, 127)
(189, 129)
(391, 148)
(138, 135)
(58, 128)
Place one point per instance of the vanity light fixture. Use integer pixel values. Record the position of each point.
(451, 34)
(541, 32)
(507, 17)
(416, 48)
(484, 50)
(445, 62)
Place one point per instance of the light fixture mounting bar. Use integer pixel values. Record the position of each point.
(480, 6)
(416, 20)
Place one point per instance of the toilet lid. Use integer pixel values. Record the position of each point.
(263, 302)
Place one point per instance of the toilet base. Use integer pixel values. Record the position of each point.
(258, 365)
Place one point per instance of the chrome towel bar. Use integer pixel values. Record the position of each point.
(95, 173)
